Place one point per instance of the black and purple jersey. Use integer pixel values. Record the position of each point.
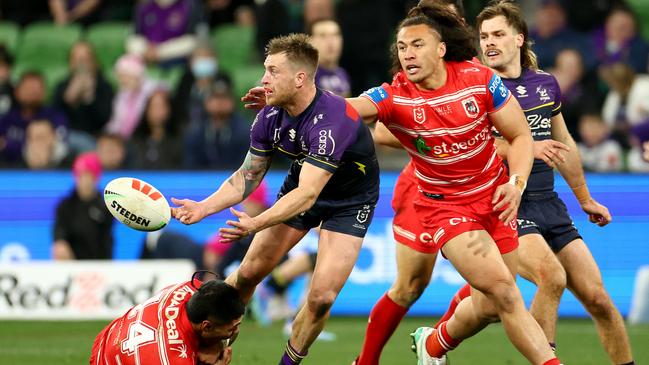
(334, 80)
(329, 134)
(539, 95)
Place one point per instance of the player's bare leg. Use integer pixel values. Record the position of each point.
(538, 264)
(414, 270)
(266, 250)
(337, 254)
(496, 296)
(585, 282)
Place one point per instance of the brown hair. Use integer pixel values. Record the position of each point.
(298, 50)
(459, 37)
(514, 17)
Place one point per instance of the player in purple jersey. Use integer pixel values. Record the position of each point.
(328, 40)
(543, 221)
(333, 183)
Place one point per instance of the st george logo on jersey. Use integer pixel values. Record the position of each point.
(419, 114)
(471, 107)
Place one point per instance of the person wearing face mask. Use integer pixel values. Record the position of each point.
(164, 31)
(85, 96)
(201, 72)
(83, 225)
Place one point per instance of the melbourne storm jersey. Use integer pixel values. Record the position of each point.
(447, 131)
(156, 332)
(328, 134)
(539, 95)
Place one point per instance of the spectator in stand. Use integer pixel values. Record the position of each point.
(84, 12)
(579, 89)
(201, 72)
(30, 105)
(155, 143)
(315, 10)
(6, 88)
(164, 31)
(327, 39)
(111, 150)
(219, 140)
(626, 108)
(598, 152)
(551, 34)
(586, 15)
(619, 41)
(135, 88)
(43, 149)
(85, 96)
(83, 225)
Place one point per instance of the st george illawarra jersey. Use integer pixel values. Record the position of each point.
(447, 131)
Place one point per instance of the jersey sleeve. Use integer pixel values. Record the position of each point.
(556, 108)
(497, 92)
(329, 139)
(261, 138)
(381, 97)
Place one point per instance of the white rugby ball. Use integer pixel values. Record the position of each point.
(137, 204)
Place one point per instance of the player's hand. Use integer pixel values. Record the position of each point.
(645, 151)
(241, 228)
(255, 98)
(551, 152)
(597, 213)
(187, 211)
(506, 198)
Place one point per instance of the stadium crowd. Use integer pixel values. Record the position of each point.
(155, 84)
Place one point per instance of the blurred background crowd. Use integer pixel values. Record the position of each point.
(155, 84)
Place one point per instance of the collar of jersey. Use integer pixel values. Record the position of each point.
(308, 109)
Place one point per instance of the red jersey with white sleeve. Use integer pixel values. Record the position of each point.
(156, 332)
(447, 131)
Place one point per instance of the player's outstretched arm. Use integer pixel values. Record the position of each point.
(573, 172)
(312, 181)
(510, 121)
(384, 137)
(235, 189)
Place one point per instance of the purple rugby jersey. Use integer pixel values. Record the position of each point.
(336, 80)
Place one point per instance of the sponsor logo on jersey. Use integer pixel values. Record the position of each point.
(470, 69)
(326, 142)
(276, 135)
(171, 314)
(543, 94)
(522, 91)
(420, 145)
(419, 114)
(471, 107)
(272, 112)
(537, 121)
(291, 135)
(317, 118)
(457, 220)
(446, 150)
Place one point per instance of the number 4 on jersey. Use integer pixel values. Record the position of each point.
(139, 334)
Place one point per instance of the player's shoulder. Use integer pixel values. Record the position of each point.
(470, 70)
(331, 108)
(539, 75)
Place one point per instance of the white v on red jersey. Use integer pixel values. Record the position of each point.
(447, 131)
(156, 332)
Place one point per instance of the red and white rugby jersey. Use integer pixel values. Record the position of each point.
(447, 131)
(156, 332)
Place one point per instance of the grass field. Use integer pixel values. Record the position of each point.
(60, 343)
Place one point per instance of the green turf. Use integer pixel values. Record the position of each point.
(44, 343)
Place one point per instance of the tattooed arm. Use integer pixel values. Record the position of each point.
(235, 189)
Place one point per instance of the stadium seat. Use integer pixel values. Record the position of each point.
(170, 77)
(109, 41)
(641, 8)
(235, 46)
(44, 42)
(9, 34)
(244, 78)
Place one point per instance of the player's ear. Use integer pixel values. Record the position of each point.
(207, 326)
(441, 49)
(520, 39)
(300, 79)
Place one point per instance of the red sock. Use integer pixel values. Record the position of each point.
(464, 292)
(554, 361)
(384, 319)
(440, 342)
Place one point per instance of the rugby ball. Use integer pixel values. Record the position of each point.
(137, 204)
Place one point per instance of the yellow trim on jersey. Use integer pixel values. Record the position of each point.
(540, 106)
(324, 162)
(557, 108)
(289, 153)
(257, 149)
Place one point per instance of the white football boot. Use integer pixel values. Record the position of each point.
(419, 347)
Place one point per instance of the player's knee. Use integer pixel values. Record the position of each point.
(408, 294)
(553, 279)
(248, 276)
(598, 303)
(319, 302)
(504, 295)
